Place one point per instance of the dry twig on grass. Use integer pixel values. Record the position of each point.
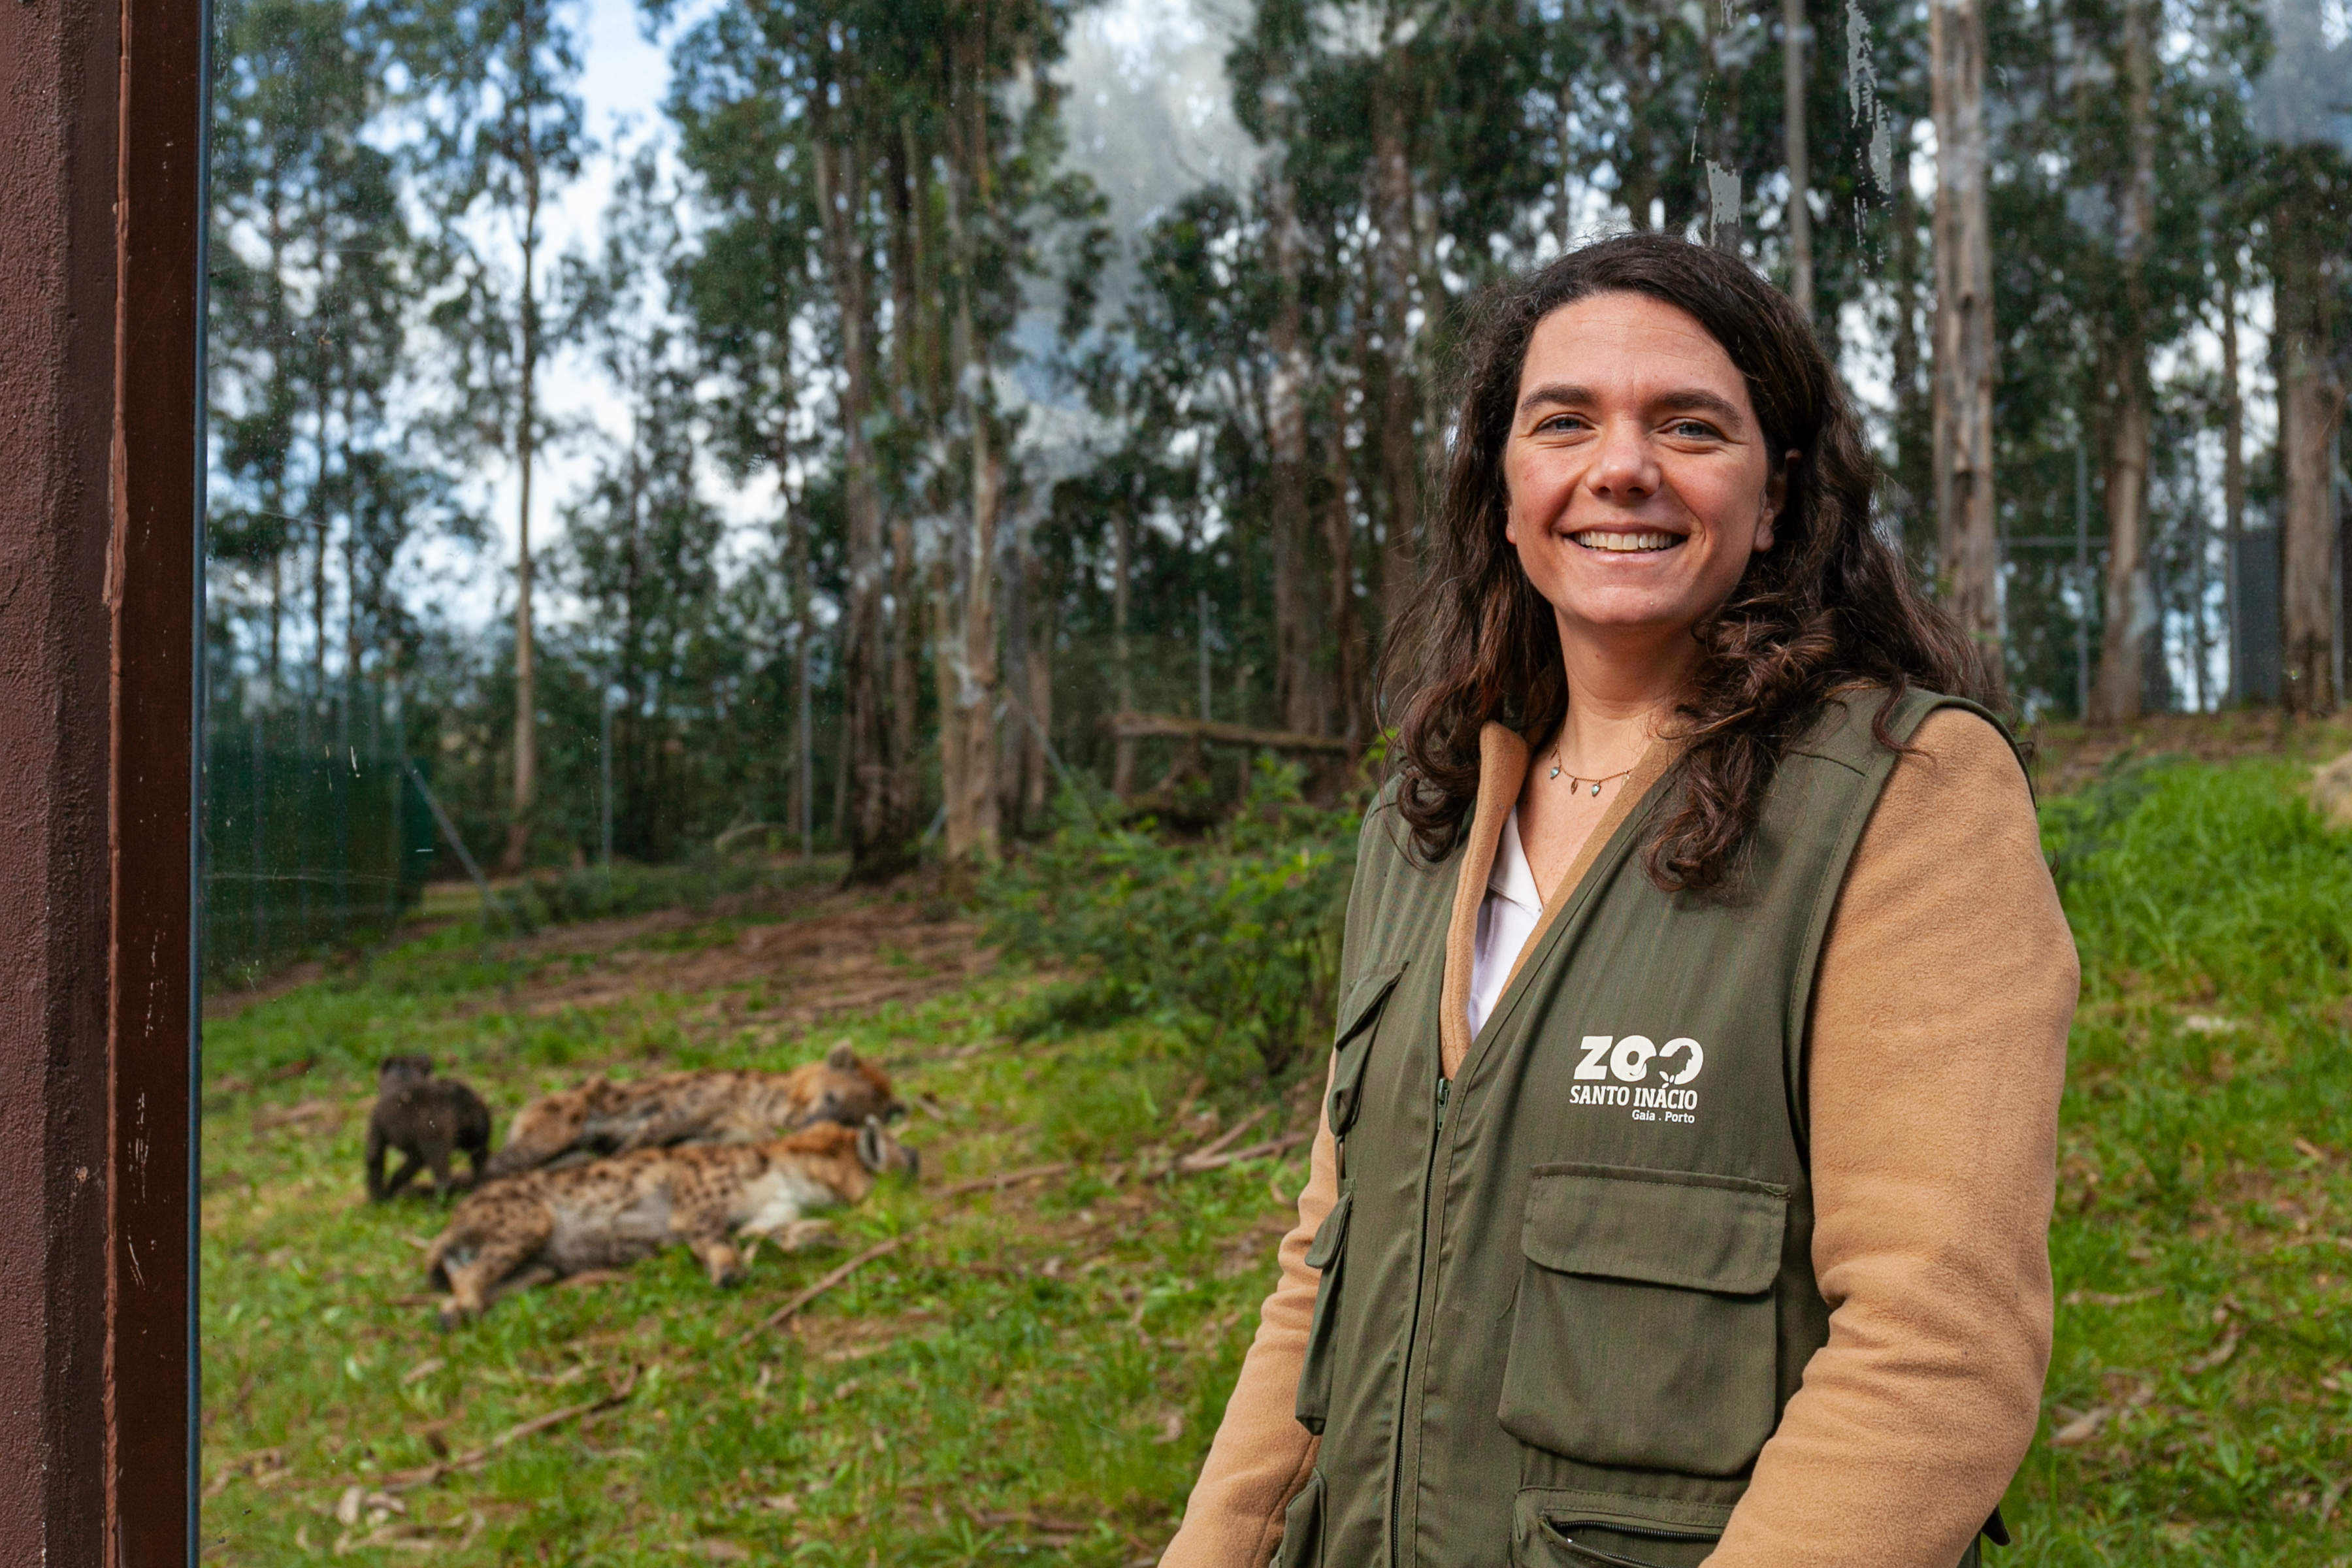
(785, 1313)
(1190, 1163)
(790, 1309)
(1003, 1179)
(409, 1481)
(1193, 1165)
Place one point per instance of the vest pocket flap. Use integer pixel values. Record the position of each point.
(1331, 1235)
(1685, 1228)
(1358, 1010)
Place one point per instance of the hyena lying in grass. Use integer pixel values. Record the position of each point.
(542, 1224)
(716, 1105)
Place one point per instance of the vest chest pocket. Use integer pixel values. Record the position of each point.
(1359, 1017)
(1645, 1331)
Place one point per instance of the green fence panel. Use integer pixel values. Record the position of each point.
(313, 838)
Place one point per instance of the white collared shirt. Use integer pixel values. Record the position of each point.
(1507, 918)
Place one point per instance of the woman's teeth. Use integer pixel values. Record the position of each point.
(1626, 543)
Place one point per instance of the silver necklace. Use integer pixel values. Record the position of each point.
(1574, 782)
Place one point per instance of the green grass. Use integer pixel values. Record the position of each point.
(2201, 1251)
(1037, 1373)
(1019, 1366)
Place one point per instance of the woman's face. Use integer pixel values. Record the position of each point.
(1639, 480)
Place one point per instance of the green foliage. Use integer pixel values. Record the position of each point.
(1235, 938)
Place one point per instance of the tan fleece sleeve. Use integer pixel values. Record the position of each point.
(1939, 1049)
(1262, 1455)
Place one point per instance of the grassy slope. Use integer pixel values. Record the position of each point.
(2202, 1249)
(1010, 1381)
(1041, 1367)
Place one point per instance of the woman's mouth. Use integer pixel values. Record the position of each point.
(1616, 541)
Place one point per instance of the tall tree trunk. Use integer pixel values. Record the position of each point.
(2233, 475)
(1350, 701)
(526, 717)
(971, 801)
(2311, 399)
(877, 847)
(2121, 693)
(1122, 527)
(908, 357)
(1296, 699)
(1392, 268)
(1914, 421)
(1970, 546)
(1012, 780)
(1792, 137)
(1040, 698)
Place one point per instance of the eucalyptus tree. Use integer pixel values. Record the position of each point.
(751, 289)
(314, 280)
(2303, 107)
(492, 85)
(640, 547)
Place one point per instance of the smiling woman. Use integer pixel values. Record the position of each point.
(1678, 1198)
(1645, 386)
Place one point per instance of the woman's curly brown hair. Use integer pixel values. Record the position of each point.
(1829, 609)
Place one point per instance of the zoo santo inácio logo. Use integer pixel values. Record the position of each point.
(1651, 1079)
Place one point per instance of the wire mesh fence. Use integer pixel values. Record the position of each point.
(314, 837)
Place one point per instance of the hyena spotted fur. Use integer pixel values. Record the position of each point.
(716, 1106)
(544, 1225)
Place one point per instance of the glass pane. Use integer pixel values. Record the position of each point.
(861, 539)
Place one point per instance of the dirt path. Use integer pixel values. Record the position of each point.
(834, 953)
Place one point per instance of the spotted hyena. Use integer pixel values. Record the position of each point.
(542, 1224)
(714, 1106)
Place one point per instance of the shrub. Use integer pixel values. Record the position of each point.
(1235, 937)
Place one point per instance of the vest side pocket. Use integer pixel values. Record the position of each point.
(1329, 1254)
(1552, 1529)
(1302, 1526)
(1645, 1331)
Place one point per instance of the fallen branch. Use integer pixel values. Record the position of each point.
(1193, 1165)
(1217, 1144)
(785, 1313)
(409, 1481)
(1005, 1179)
(1134, 726)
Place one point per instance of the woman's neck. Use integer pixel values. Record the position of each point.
(1623, 686)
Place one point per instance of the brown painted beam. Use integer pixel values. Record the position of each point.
(100, 107)
(154, 584)
(58, 71)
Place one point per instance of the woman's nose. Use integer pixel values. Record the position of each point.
(1623, 470)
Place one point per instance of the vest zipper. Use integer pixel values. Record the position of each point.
(1404, 1380)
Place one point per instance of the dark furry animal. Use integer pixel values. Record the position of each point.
(426, 1119)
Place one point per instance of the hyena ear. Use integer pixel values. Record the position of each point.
(841, 1058)
(870, 1152)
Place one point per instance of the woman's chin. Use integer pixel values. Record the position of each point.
(1619, 614)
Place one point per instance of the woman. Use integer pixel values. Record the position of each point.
(1685, 1172)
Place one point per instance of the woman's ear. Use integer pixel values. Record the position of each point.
(1776, 500)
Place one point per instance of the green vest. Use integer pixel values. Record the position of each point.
(1566, 1295)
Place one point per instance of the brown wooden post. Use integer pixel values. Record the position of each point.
(100, 214)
